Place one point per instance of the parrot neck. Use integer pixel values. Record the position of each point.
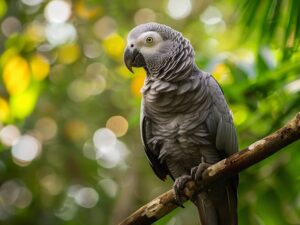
(177, 66)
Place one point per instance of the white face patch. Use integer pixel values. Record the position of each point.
(147, 43)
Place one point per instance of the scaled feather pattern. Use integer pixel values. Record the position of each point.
(184, 116)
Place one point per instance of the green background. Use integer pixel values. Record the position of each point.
(63, 78)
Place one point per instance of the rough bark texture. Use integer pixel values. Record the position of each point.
(254, 153)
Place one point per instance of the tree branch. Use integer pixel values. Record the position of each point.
(235, 163)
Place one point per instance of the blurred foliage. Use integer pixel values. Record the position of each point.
(69, 108)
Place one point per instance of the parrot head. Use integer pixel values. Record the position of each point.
(153, 46)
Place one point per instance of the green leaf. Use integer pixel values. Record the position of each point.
(3, 8)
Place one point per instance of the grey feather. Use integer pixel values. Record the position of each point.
(159, 168)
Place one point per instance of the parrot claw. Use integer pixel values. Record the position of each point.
(178, 187)
(196, 172)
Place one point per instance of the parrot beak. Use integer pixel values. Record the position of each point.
(133, 58)
(128, 59)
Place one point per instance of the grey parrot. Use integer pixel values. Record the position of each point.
(186, 124)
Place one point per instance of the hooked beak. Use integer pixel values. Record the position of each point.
(133, 58)
(128, 59)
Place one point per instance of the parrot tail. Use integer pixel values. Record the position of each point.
(218, 205)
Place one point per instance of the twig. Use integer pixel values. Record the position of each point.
(253, 154)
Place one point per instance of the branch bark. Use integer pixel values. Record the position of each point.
(235, 163)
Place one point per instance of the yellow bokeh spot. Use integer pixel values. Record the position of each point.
(4, 110)
(222, 74)
(114, 46)
(138, 81)
(16, 74)
(35, 32)
(86, 12)
(68, 53)
(23, 104)
(117, 124)
(39, 67)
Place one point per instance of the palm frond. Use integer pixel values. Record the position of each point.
(273, 22)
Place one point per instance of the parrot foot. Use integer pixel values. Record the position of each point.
(196, 172)
(178, 187)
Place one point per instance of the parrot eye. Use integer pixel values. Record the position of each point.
(149, 40)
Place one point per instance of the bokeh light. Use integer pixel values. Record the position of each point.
(39, 67)
(52, 183)
(10, 25)
(9, 135)
(118, 124)
(144, 15)
(32, 2)
(68, 53)
(9, 191)
(13, 194)
(96, 68)
(16, 74)
(86, 197)
(26, 149)
(47, 128)
(35, 32)
(179, 9)
(104, 27)
(92, 49)
(110, 151)
(58, 34)
(212, 19)
(79, 90)
(211, 16)
(73, 189)
(114, 46)
(24, 198)
(57, 11)
(104, 138)
(22, 104)
(89, 150)
(109, 186)
(110, 157)
(97, 84)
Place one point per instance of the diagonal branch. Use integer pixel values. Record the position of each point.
(235, 163)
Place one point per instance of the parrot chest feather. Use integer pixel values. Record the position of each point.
(178, 112)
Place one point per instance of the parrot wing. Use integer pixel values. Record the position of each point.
(219, 121)
(160, 169)
(220, 126)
